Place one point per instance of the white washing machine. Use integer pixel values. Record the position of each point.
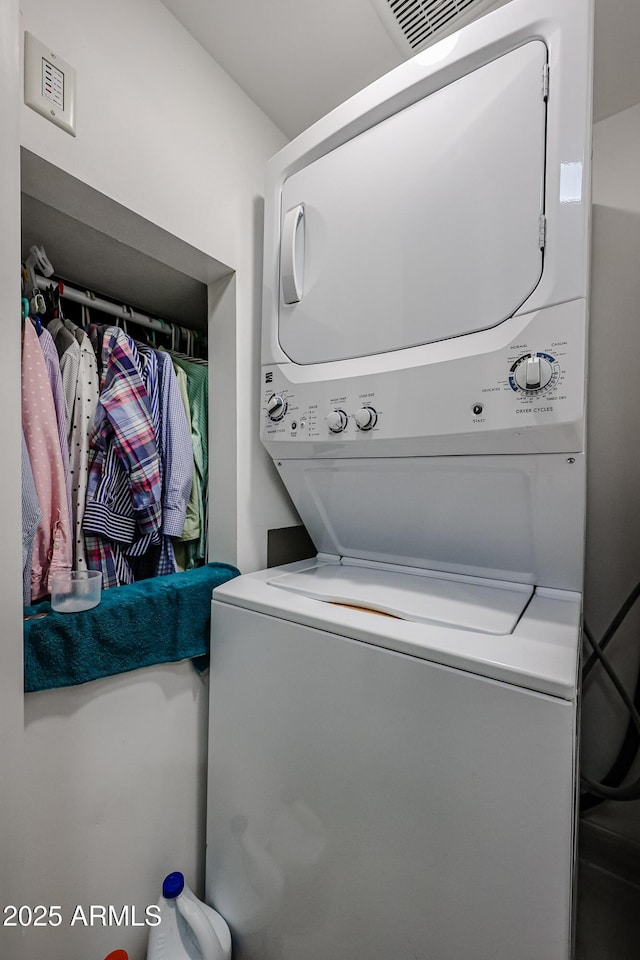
(393, 734)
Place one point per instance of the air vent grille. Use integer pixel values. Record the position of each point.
(421, 19)
(415, 24)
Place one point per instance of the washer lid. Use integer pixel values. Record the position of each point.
(540, 653)
(466, 603)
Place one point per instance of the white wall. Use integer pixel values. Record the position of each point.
(10, 554)
(164, 131)
(613, 511)
(111, 794)
(114, 791)
(616, 148)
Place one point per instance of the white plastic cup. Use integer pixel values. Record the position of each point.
(76, 590)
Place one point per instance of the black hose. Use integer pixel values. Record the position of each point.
(603, 790)
(623, 762)
(611, 630)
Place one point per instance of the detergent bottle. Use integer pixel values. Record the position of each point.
(188, 928)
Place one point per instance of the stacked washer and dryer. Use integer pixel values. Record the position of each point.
(393, 739)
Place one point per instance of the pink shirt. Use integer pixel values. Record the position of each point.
(52, 551)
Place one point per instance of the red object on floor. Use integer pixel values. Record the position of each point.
(118, 955)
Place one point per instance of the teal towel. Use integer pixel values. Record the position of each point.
(160, 620)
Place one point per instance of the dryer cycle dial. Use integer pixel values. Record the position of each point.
(532, 372)
(337, 421)
(276, 407)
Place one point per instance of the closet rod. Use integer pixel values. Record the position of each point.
(105, 306)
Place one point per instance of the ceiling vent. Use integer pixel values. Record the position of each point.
(414, 24)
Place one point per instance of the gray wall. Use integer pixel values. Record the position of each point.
(613, 505)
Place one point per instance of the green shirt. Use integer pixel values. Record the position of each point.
(197, 387)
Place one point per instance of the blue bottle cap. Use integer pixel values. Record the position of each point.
(172, 886)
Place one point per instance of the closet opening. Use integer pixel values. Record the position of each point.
(114, 260)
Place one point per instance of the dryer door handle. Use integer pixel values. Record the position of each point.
(292, 254)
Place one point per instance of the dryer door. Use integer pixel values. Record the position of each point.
(425, 226)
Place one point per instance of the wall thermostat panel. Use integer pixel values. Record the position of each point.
(49, 84)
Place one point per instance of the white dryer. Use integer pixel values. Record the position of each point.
(393, 733)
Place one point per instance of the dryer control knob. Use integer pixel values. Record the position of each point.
(533, 373)
(276, 407)
(337, 421)
(366, 418)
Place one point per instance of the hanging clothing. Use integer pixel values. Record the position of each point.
(176, 454)
(123, 443)
(149, 369)
(191, 526)
(31, 517)
(148, 557)
(68, 350)
(80, 385)
(127, 429)
(192, 553)
(52, 363)
(52, 550)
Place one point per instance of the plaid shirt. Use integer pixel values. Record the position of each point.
(123, 448)
(149, 368)
(176, 456)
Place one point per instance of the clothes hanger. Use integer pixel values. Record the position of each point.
(34, 308)
(162, 324)
(37, 260)
(123, 324)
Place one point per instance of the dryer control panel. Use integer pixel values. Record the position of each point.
(523, 395)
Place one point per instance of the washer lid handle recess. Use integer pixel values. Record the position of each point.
(292, 254)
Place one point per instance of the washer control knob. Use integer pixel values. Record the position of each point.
(366, 418)
(337, 421)
(276, 407)
(533, 373)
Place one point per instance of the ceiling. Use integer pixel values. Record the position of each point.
(298, 59)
